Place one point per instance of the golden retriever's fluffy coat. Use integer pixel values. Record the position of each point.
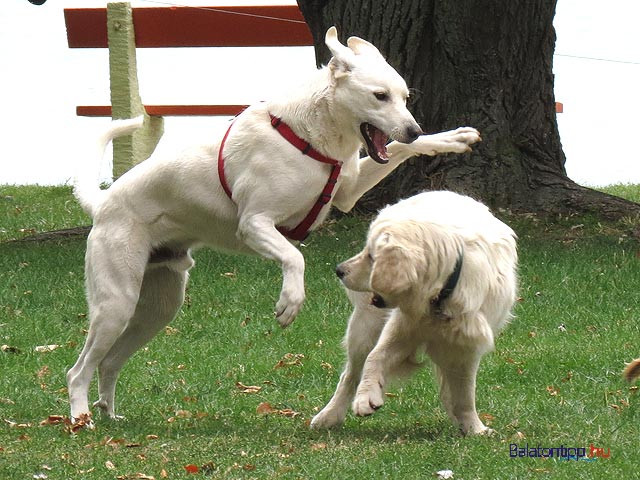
(438, 273)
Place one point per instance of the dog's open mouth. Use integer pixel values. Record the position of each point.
(376, 141)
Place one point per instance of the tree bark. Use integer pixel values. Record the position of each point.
(485, 64)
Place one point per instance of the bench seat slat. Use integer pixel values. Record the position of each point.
(195, 27)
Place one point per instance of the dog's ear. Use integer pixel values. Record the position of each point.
(342, 57)
(394, 270)
(362, 47)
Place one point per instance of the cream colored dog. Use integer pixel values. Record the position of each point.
(437, 274)
(279, 162)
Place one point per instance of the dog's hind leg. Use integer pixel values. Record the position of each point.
(161, 296)
(365, 324)
(114, 271)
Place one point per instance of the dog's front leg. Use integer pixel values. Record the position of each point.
(396, 346)
(457, 374)
(451, 141)
(365, 324)
(370, 173)
(261, 235)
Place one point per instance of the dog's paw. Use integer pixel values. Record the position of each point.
(452, 141)
(477, 430)
(327, 418)
(288, 307)
(367, 401)
(461, 138)
(107, 410)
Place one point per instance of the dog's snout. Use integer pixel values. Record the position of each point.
(340, 271)
(412, 133)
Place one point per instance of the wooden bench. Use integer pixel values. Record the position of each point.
(122, 29)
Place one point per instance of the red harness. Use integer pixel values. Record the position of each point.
(301, 231)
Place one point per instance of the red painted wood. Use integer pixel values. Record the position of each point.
(165, 110)
(237, 26)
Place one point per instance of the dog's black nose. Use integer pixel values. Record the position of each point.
(340, 272)
(412, 133)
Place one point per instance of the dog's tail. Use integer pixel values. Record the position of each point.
(86, 187)
(632, 371)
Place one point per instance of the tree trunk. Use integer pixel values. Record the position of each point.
(485, 64)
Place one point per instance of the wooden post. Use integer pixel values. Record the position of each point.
(125, 95)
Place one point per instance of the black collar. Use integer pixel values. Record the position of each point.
(449, 286)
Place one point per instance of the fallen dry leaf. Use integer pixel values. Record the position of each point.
(191, 468)
(169, 330)
(552, 390)
(265, 408)
(46, 348)
(487, 418)
(287, 412)
(247, 388)
(136, 476)
(319, 446)
(53, 420)
(13, 424)
(9, 349)
(83, 421)
(289, 360)
(109, 464)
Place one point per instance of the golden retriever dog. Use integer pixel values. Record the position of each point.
(437, 275)
(632, 371)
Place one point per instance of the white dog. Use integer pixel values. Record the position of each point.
(438, 273)
(273, 175)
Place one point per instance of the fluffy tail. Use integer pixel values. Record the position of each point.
(86, 186)
(632, 371)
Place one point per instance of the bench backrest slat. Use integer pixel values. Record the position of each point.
(166, 110)
(238, 26)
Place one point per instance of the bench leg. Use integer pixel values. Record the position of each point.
(125, 94)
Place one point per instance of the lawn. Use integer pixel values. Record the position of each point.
(225, 393)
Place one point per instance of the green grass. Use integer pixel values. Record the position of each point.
(544, 385)
(624, 190)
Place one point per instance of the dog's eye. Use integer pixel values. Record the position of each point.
(382, 96)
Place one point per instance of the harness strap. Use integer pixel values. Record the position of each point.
(301, 144)
(221, 175)
(302, 230)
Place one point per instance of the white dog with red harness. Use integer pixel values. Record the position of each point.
(270, 188)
